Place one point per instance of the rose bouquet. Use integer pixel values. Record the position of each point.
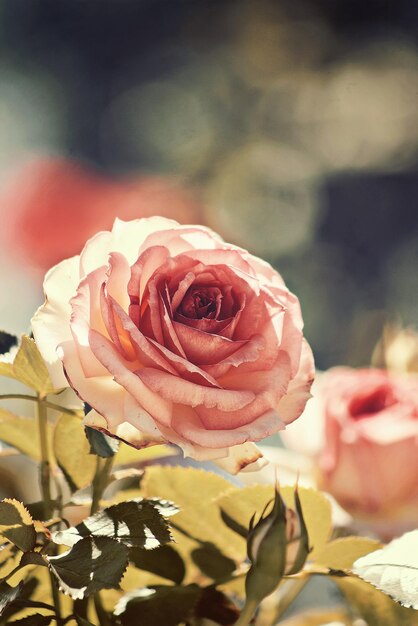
(159, 342)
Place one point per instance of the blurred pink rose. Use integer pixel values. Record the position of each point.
(369, 460)
(170, 334)
(54, 205)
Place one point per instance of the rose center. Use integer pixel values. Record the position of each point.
(200, 301)
(372, 402)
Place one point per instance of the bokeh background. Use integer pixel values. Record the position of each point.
(290, 127)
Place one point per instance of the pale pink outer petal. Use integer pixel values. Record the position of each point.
(95, 253)
(102, 392)
(243, 458)
(188, 425)
(128, 236)
(85, 315)
(125, 431)
(51, 322)
(291, 406)
(156, 405)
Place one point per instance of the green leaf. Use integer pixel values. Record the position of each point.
(8, 594)
(136, 523)
(212, 562)
(376, 608)
(21, 433)
(82, 622)
(32, 558)
(340, 554)
(195, 492)
(7, 341)
(100, 444)
(93, 563)
(29, 368)
(72, 452)
(34, 620)
(128, 455)
(164, 561)
(394, 569)
(16, 524)
(159, 606)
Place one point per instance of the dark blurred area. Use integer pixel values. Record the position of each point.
(293, 124)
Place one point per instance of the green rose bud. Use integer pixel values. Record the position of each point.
(277, 546)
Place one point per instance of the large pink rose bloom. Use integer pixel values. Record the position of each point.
(172, 335)
(369, 461)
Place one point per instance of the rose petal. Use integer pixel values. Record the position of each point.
(157, 406)
(188, 425)
(85, 315)
(205, 348)
(50, 324)
(243, 458)
(291, 406)
(184, 392)
(102, 393)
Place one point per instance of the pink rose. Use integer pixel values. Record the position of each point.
(172, 335)
(54, 205)
(369, 460)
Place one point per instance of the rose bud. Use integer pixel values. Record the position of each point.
(172, 335)
(369, 459)
(278, 545)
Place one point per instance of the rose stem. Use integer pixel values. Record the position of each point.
(50, 405)
(289, 595)
(45, 469)
(247, 613)
(100, 482)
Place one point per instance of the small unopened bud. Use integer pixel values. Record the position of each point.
(277, 546)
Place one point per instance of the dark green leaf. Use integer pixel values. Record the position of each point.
(100, 444)
(136, 523)
(36, 509)
(7, 341)
(164, 561)
(212, 562)
(82, 622)
(234, 525)
(159, 606)
(16, 524)
(217, 607)
(32, 558)
(34, 620)
(90, 565)
(8, 594)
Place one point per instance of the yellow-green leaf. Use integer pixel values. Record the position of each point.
(29, 368)
(16, 525)
(195, 492)
(127, 455)
(376, 608)
(341, 553)
(394, 569)
(72, 451)
(317, 514)
(21, 433)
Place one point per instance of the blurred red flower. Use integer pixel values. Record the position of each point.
(52, 206)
